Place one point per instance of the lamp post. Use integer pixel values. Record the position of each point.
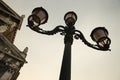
(39, 16)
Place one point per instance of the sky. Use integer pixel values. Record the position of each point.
(45, 52)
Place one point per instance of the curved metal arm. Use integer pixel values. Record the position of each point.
(52, 32)
(79, 34)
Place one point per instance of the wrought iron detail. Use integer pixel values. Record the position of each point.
(68, 32)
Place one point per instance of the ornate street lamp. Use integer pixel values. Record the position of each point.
(39, 16)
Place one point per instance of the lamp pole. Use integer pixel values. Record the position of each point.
(65, 73)
(39, 16)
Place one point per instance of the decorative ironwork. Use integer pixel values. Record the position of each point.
(69, 31)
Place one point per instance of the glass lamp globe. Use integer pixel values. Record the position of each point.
(39, 16)
(100, 36)
(70, 18)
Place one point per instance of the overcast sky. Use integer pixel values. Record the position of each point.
(45, 52)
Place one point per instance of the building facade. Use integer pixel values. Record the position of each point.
(11, 58)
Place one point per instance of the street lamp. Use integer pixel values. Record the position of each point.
(39, 16)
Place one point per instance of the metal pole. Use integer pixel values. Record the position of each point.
(65, 73)
(66, 63)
